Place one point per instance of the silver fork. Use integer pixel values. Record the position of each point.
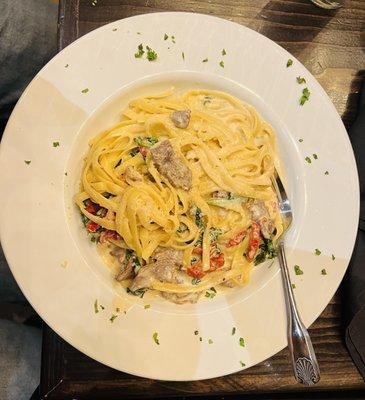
(304, 361)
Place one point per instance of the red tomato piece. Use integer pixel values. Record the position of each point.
(92, 226)
(237, 239)
(254, 242)
(216, 262)
(143, 151)
(198, 250)
(195, 270)
(91, 207)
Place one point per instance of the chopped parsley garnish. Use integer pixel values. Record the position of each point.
(315, 156)
(114, 29)
(56, 144)
(289, 63)
(242, 364)
(27, 162)
(65, 173)
(183, 55)
(173, 39)
(333, 257)
(242, 342)
(305, 96)
(155, 338)
(196, 333)
(165, 37)
(224, 52)
(308, 160)
(112, 318)
(200, 339)
(138, 33)
(317, 252)
(221, 63)
(66, 66)
(151, 54)
(205, 60)
(326, 173)
(117, 309)
(324, 272)
(199, 218)
(85, 90)
(102, 307)
(301, 80)
(96, 308)
(207, 100)
(139, 293)
(297, 270)
(267, 252)
(146, 306)
(146, 141)
(293, 286)
(233, 330)
(195, 281)
(140, 51)
(210, 341)
(210, 293)
(300, 140)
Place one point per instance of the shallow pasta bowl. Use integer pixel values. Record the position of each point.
(80, 93)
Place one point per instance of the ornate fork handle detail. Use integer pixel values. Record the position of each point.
(305, 365)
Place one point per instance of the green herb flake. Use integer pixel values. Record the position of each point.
(173, 39)
(315, 156)
(210, 293)
(289, 63)
(301, 80)
(333, 257)
(65, 173)
(297, 270)
(233, 330)
(210, 341)
(145, 141)
(293, 286)
(147, 306)
(66, 66)
(326, 173)
(196, 333)
(139, 52)
(195, 281)
(112, 318)
(85, 90)
(224, 52)
(242, 364)
(166, 36)
(27, 162)
(183, 55)
(114, 29)
(309, 161)
(305, 96)
(151, 54)
(102, 307)
(267, 252)
(317, 252)
(221, 63)
(139, 293)
(300, 140)
(205, 60)
(96, 308)
(324, 272)
(155, 338)
(200, 339)
(117, 309)
(242, 342)
(56, 144)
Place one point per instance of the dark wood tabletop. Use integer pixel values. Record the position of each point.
(331, 44)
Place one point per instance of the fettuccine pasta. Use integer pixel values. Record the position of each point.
(179, 193)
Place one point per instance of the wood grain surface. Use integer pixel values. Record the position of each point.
(331, 44)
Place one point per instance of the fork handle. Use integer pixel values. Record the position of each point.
(304, 361)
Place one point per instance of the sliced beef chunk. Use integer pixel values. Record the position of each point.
(126, 269)
(164, 267)
(171, 166)
(181, 118)
(260, 215)
(181, 298)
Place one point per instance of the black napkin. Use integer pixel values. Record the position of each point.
(354, 285)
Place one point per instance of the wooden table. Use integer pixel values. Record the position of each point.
(331, 44)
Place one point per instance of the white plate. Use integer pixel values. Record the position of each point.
(59, 270)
